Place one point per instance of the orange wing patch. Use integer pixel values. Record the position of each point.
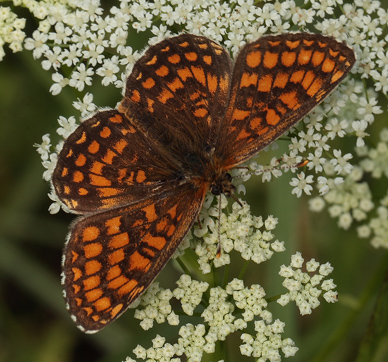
(109, 260)
(287, 75)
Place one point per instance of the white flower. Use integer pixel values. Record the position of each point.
(322, 144)
(71, 56)
(297, 260)
(316, 204)
(345, 220)
(341, 163)
(316, 161)
(68, 125)
(49, 165)
(81, 77)
(336, 128)
(44, 148)
(359, 128)
(53, 59)
(302, 183)
(364, 231)
(56, 205)
(61, 34)
(369, 108)
(108, 71)
(381, 79)
(60, 82)
(94, 54)
(37, 44)
(144, 20)
(302, 16)
(310, 137)
(86, 106)
(331, 296)
(298, 145)
(325, 184)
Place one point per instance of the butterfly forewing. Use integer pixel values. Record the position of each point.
(277, 80)
(104, 164)
(112, 257)
(182, 78)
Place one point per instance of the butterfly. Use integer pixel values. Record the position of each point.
(138, 174)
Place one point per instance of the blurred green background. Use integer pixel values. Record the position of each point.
(34, 323)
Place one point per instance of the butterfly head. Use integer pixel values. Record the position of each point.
(223, 185)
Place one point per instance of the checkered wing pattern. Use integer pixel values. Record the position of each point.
(277, 80)
(178, 92)
(104, 164)
(112, 257)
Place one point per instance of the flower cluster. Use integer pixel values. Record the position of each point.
(354, 201)
(374, 162)
(261, 345)
(73, 39)
(240, 231)
(232, 308)
(11, 31)
(227, 310)
(156, 303)
(305, 289)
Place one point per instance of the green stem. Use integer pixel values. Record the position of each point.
(274, 298)
(243, 270)
(183, 266)
(226, 275)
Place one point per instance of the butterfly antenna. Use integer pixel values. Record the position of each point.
(219, 227)
(269, 169)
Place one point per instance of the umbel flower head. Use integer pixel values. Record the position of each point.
(78, 43)
(220, 311)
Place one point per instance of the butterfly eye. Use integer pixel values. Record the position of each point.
(215, 190)
(227, 177)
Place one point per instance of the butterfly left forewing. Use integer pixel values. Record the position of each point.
(112, 257)
(107, 162)
(277, 80)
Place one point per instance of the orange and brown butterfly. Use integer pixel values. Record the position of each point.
(138, 174)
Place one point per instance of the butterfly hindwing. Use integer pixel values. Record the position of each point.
(113, 256)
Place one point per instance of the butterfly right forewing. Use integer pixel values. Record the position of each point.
(277, 80)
